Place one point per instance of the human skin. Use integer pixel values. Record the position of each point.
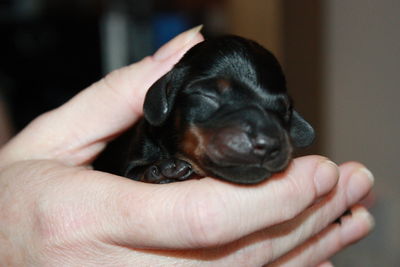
(57, 211)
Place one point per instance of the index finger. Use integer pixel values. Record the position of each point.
(208, 212)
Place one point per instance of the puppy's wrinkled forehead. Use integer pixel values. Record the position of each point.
(238, 59)
(238, 94)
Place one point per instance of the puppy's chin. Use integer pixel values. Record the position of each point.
(247, 173)
(240, 175)
(279, 163)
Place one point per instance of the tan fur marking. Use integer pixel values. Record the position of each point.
(193, 147)
(223, 85)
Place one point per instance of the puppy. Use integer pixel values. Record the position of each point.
(222, 111)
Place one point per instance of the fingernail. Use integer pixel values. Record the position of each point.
(177, 43)
(357, 225)
(326, 177)
(369, 174)
(362, 213)
(359, 185)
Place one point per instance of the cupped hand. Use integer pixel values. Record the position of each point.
(56, 211)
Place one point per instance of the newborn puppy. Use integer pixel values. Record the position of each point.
(222, 111)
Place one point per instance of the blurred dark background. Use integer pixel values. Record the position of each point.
(341, 59)
(50, 50)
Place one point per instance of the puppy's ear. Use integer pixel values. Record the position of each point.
(159, 100)
(301, 132)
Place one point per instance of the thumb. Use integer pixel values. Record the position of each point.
(77, 131)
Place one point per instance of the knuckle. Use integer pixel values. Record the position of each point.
(61, 220)
(205, 223)
(48, 223)
(290, 197)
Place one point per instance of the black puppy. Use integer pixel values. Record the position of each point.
(222, 111)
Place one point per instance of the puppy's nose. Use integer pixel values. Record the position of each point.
(266, 147)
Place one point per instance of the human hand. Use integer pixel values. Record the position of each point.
(56, 211)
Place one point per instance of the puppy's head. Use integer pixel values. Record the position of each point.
(225, 109)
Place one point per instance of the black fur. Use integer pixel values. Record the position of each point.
(222, 111)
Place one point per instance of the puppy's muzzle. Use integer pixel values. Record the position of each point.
(255, 139)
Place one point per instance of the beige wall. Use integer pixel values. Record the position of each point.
(260, 20)
(362, 111)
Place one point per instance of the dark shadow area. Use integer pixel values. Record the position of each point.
(302, 36)
(47, 58)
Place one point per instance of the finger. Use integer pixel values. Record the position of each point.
(207, 212)
(77, 131)
(195, 213)
(354, 184)
(330, 241)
